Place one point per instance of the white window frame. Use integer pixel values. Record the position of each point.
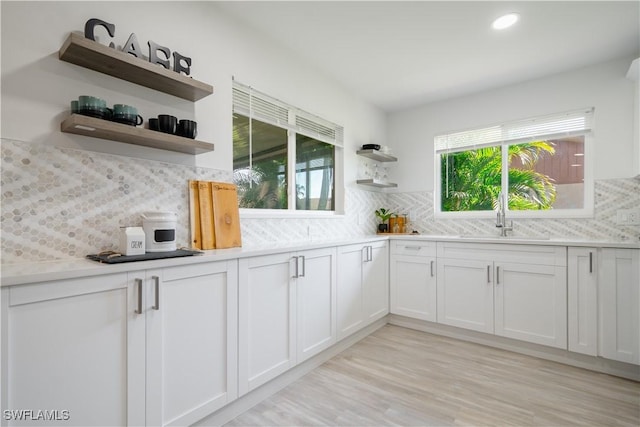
(488, 137)
(296, 121)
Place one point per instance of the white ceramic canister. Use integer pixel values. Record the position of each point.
(132, 241)
(160, 231)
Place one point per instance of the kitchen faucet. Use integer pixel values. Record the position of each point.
(501, 221)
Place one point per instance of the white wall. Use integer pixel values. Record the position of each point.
(602, 86)
(37, 87)
(634, 75)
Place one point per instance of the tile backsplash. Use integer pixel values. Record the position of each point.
(610, 195)
(60, 203)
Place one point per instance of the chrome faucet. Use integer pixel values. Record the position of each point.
(501, 221)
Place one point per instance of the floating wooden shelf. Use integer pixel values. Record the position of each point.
(82, 51)
(98, 128)
(376, 183)
(376, 155)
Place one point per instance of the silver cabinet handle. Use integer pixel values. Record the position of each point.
(590, 262)
(139, 286)
(432, 268)
(497, 275)
(488, 274)
(368, 253)
(417, 248)
(296, 275)
(156, 279)
(304, 266)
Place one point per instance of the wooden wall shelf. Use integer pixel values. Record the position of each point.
(82, 51)
(98, 128)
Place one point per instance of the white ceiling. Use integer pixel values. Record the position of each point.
(401, 54)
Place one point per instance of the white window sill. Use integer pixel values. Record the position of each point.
(283, 213)
(548, 214)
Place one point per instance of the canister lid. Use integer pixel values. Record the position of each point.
(160, 216)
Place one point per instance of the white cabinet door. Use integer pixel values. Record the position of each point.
(350, 301)
(465, 294)
(191, 323)
(413, 286)
(76, 347)
(531, 303)
(316, 297)
(619, 305)
(375, 281)
(267, 319)
(582, 300)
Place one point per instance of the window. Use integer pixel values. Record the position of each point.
(542, 164)
(283, 158)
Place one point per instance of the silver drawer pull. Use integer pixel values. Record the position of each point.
(590, 262)
(157, 286)
(488, 274)
(138, 310)
(432, 262)
(417, 248)
(296, 274)
(304, 266)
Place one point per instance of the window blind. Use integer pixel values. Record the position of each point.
(260, 106)
(554, 126)
(251, 103)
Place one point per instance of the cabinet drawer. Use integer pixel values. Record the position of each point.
(413, 248)
(525, 254)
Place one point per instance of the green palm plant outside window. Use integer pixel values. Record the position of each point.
(472, 179)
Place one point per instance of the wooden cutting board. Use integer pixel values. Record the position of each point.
(214, 215)
(226, 215)
(194, 215)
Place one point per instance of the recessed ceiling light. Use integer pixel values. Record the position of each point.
(505, 21)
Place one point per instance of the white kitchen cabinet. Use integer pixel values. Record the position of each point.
(190, 314)
(412, 279)
(363, 286)
(465, 294)
(286, 312)
(267, 319)
(619, 304)
(531, 303)
(154, 347)
(316, 301)
(582, 300)
(516, 291)
(74, 345)
(375, 282)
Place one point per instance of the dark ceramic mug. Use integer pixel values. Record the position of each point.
(167, 123)
(188, 129)
(153, 124)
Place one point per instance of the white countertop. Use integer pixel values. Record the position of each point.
(25, 273)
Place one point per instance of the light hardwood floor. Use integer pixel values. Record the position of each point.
(399, 376)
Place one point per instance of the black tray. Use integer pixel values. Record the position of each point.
(108, 258)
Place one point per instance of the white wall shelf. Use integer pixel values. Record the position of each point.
(376, 183)
(376, 155)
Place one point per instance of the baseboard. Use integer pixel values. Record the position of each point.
(246, 402)
(592, 363)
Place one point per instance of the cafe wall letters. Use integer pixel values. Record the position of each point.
(181, 64)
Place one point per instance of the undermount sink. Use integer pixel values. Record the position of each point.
(497, 237)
